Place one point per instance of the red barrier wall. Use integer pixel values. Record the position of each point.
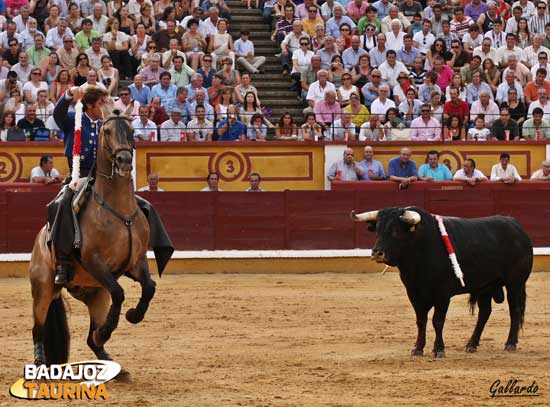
(293, 219)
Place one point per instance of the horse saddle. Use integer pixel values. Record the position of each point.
(81, 194)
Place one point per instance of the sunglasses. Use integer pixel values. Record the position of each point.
(425, 111)
(207, 60)
(376, 76)
(304, 43)
(36, 73)
(543, 57)
(370, 29)
(152, 47)
(344, 29)
(541, 8)
(68, 41)
(455, 47)
(124, 94)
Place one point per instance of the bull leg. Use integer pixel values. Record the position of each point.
(516, 305)
(141, 274)
(438, 321)
(484, 305)
(421, 321)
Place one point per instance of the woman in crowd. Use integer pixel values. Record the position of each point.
(404, 83)
(193, 44)
(336, 71)
(368, 39)
(286, 129)
(53, 18)
(44, 107)
(360, 73)
(138, 44)
(256, 130)
(517, 108)
(127, 25)
(7, 122)
(231, 77)
(221, 44)
(157, 114)
(74, 18)
(151, 50)
(79, 73)
(456, 83)
(50, 68)
(301, 62)
(221, 107)
(344, 42)
(438, 48)
(169, 13)
(436, 106)
(108, 75)
(492, 74)
(454, 129)
(117, 44)
(147, 19)
(14, 104)
(31, 88)
(346, 90)
(61, 83)
(114, 7)
(160, 6)
(318, 40)
(479, 132)
(250, 107)
(311, 130)
(358, 111)
(523, 35)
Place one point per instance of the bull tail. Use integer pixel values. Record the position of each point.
(522, 299)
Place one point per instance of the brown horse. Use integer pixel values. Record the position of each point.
(115, 237)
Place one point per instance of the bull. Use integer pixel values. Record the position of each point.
(493, 252)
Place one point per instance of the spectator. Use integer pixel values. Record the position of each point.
(454, 129)
(256, 130)
(86, 35)
(200, 99)
(468, 70)
(125, 102)
(346, 90)
(504, 171)
(378, 54)
(61, 83)
(44, 108)
(394, 14)
(505, 128)
(284, 25)
(212, 21)
(92, 80)
(207, 71)
(231, 129)
(371, 130)
(221, 44)
(311, 130)
(152, 183)
(531, 89)
(498, 37)
(31, 88)
(382, 103)
(96, 52)
(56, 36)
(286, 129)
(536, 128)
(223, 104)
(531, 53)
(521, 72)
(327, 110)
(402, 169)
(543, 63)
(212, 183)
(410, 108)
(194, 44)
(139, 92)
(373, 170)
(79, 72)
(510, 48)
(538, 21)
(327, 53)
(424, 39)
(474, 89)
(543, 173)
(200, 128)
(391, 68)
(173, 129)
(359, 112)
(308, 77)
(29, 123)
(425, 127)
(254, 180)
(486, 107)
(45, 173)
(138, 44)
(346, 169)
(318, 89)
(429, 87)
(117, 43)
(162, 37)
(99, 19)
(336, 71)
(23, 68)
(7, 123)
(472, 39)
(542, 102)
(167, 57)
(510, 82)
(351, 55)
(461, 23)
(456, 106)
(144, 128)
(436, 106)
(342, 129)
(370, 20)
(513, 21)
(468, 173)
(408, 53)
(11, 55)
(244, 52)
(108, 75)
(165, 90)
(338, 18)
(37, 53)
(394, 37)
(433, 170)
(291, 44)
(479, 132)
(485, 50)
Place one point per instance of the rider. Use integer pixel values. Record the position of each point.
(93, 99)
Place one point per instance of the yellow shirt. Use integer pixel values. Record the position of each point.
(358, 118)
(309, 25)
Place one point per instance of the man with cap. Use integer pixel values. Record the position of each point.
(173, 129)
(542, 174)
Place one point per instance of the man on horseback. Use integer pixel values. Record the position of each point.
(92, 99)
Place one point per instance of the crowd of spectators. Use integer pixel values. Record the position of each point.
(430, 70)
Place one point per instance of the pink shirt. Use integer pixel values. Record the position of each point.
(325, 113)
(357, 12)
(122, 107)
(444, 78)
(420, 131)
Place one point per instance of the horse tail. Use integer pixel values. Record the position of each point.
(56, 333)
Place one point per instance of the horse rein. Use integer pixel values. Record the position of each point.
(114, 153)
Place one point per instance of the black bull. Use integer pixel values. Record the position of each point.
(493, 253)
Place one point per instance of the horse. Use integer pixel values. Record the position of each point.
(114, 241)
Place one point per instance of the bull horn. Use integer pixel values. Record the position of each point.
(365, 216)
(411, 217)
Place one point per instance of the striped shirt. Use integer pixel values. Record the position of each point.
(537, 23)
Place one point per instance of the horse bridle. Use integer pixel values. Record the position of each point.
(113, 153)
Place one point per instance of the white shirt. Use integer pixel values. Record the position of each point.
(22, 74)
(39, 172)
(528, 11)
(535, 67)
(170, 131)
(302, 59)
(34, 91)
(471, 43)
(497, 172)
(316, 92)
(85, 85)
(545, 108)
(424, 41)
(492, 54)
(531, 57)
(200, 131)
(380, 108)
(390, 73)
(476, 174)
(504, 53)
(393, 41)
(54, 39)
(145, 130)
(121, 37)
(99, 26)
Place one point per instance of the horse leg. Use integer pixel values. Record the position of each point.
(40, 306)
(98, 308)
(438, 321)
(484, 305)
(102, 274)
(141, 274)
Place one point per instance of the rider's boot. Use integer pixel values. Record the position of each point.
(62, 271)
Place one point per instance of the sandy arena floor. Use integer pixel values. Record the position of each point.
(293, 340)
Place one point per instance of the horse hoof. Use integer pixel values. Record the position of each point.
(510, 348)
(471, 349)
(123, 376)
(39, 362)
(417, 352)
(438, 354)
(133, 317)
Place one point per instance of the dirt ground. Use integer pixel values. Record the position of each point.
(293, 340)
